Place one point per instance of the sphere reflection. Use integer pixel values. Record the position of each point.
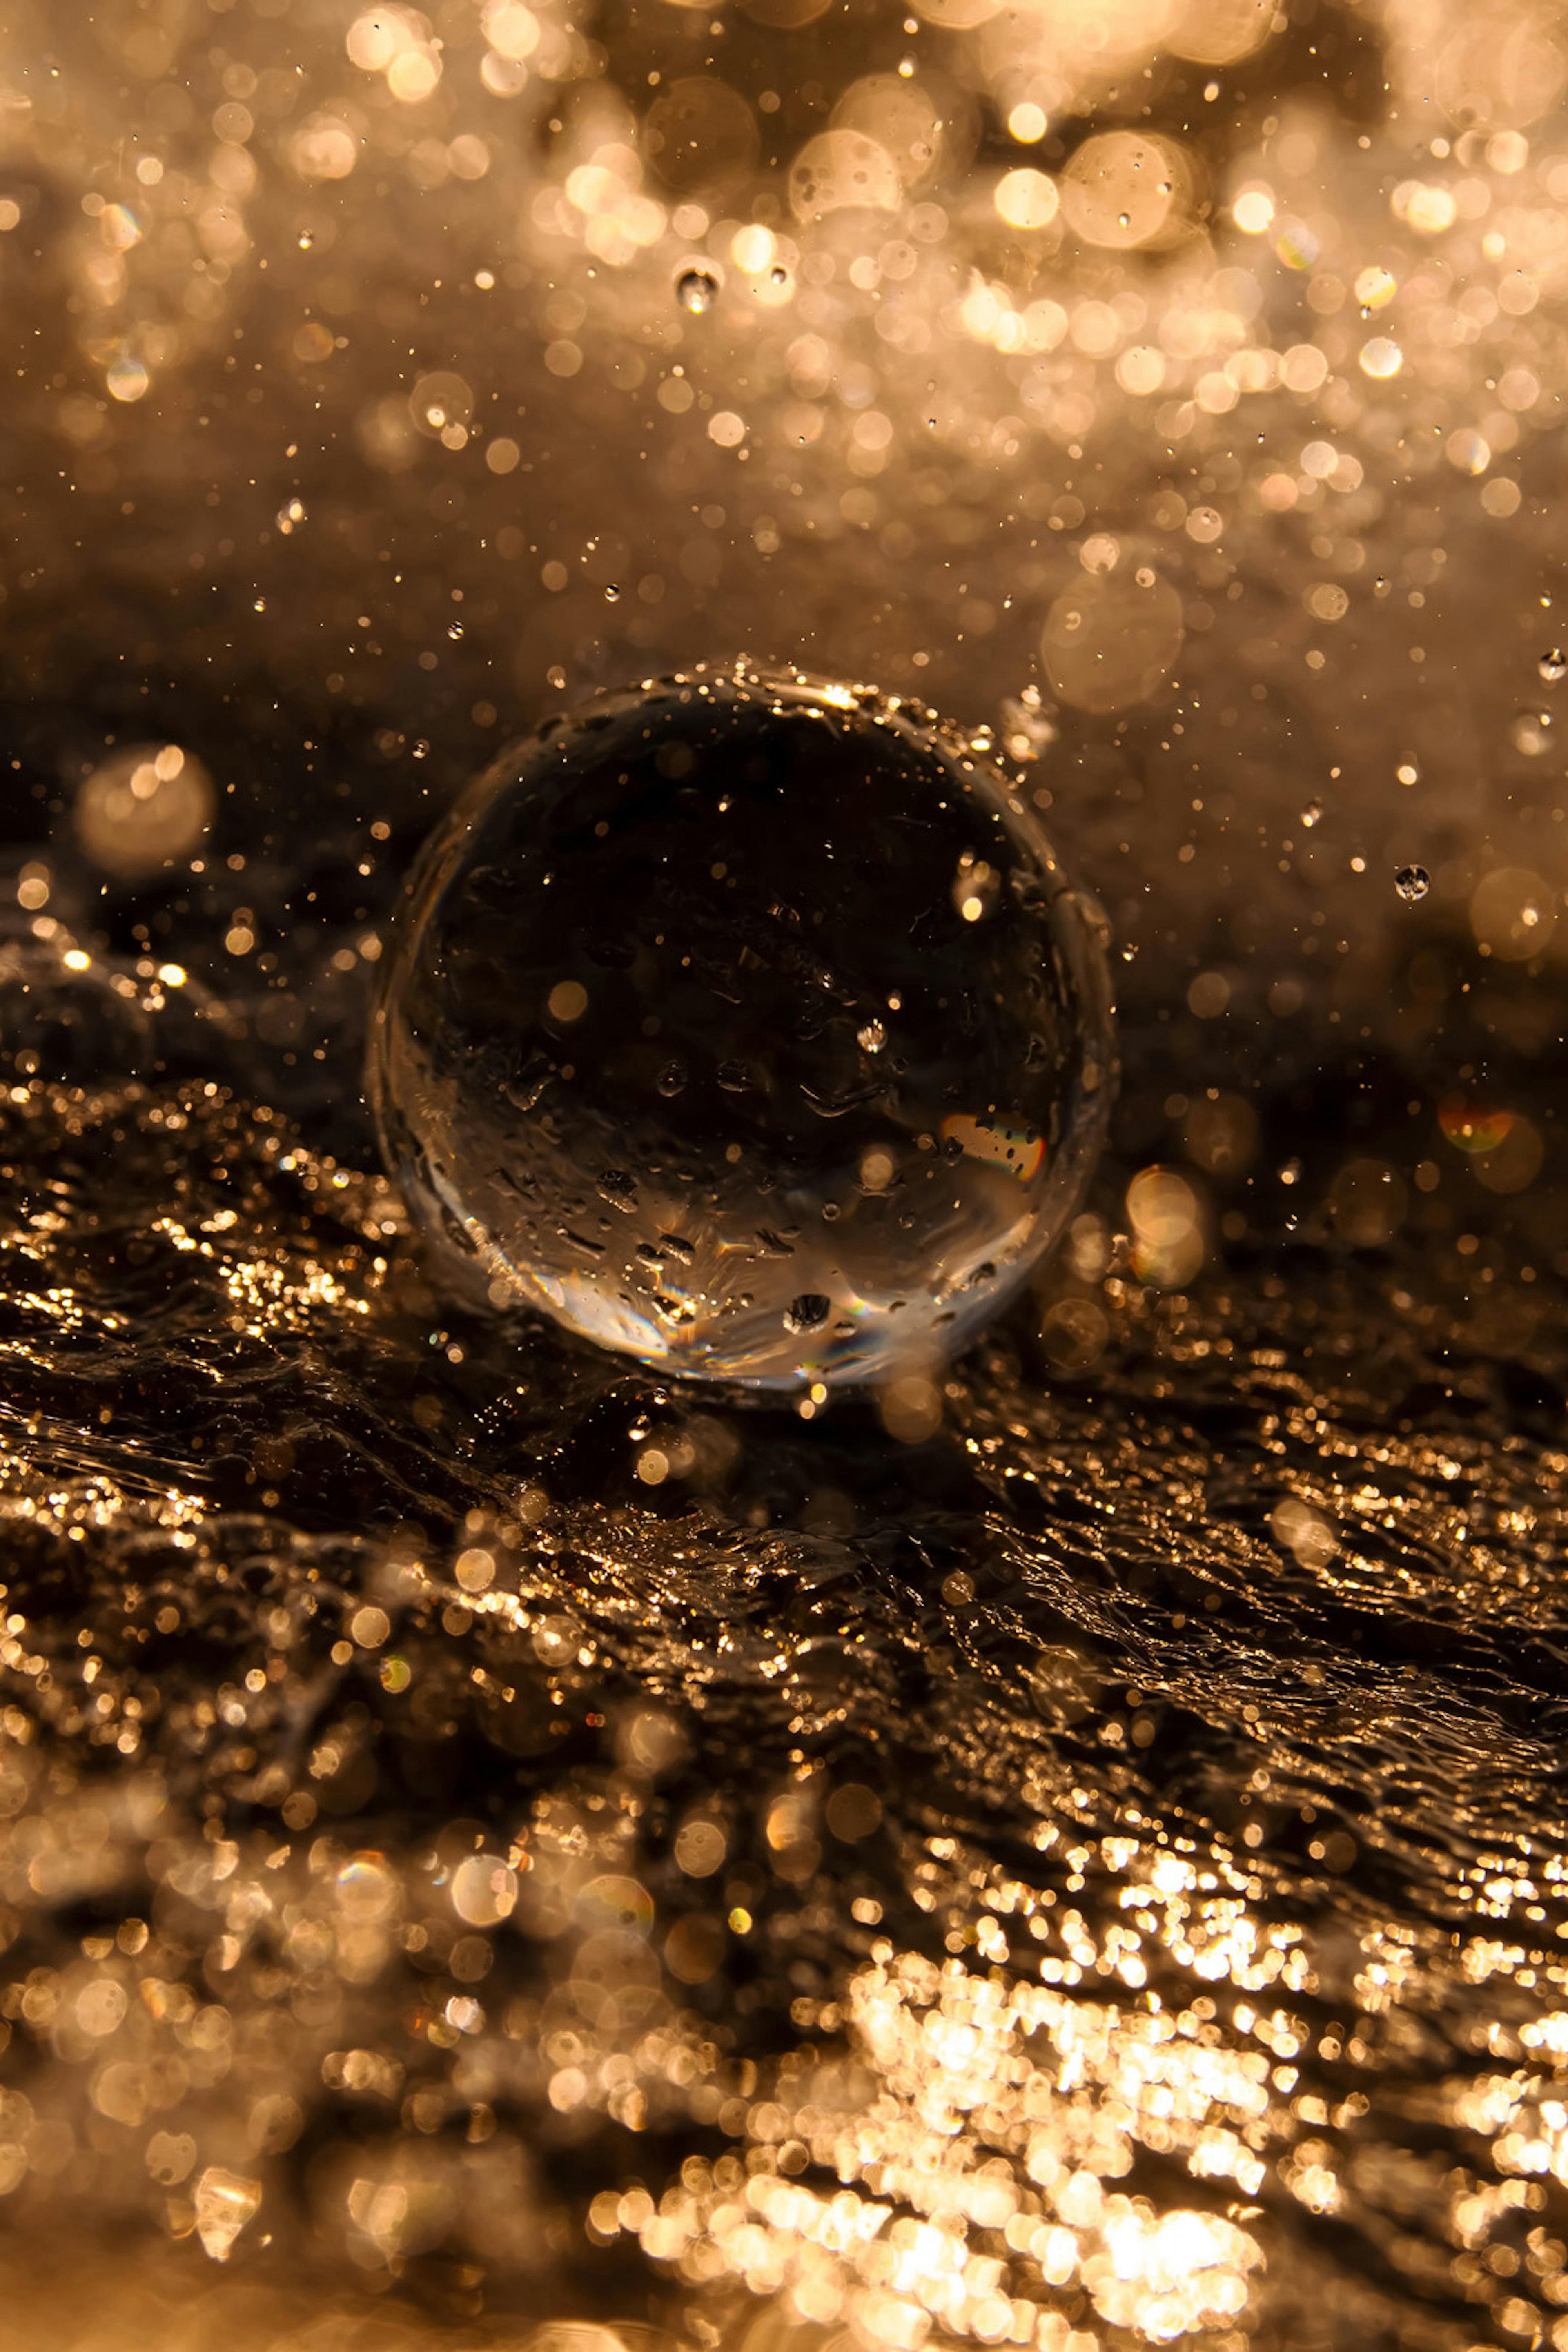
(747, 1024)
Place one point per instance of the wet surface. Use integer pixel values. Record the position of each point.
(1065, 1849)
(1104, 1855)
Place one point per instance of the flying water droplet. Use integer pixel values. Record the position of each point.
(1412, 882)
(858, 1105)
(1554, 667)
(697, 290)
(1311, 813)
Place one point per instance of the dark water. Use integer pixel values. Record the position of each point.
(1091, 1873)
(492, 1851)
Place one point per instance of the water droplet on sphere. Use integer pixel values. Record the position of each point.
(807, 1206)
(1412, 882)
(697, 290)
(1554, 667)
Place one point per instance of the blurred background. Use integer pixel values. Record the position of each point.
(1064, 1856)
(1170, 390)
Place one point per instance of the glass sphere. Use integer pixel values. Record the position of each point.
(746, 1023)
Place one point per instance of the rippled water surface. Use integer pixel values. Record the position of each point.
(481, 1828)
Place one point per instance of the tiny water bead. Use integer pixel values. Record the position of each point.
(697, 290)
(1554, 667)
(1412, 882)
(747, 1024)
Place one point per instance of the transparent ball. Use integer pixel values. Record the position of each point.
(745, 1024)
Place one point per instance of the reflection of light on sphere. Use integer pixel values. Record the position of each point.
(142, 807)
(746, 1025)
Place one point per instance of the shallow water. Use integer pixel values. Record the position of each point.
(1093, 1873)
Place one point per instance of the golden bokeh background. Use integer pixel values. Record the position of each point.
(1171, 391)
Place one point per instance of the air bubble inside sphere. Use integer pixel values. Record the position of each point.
(747, 1024)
